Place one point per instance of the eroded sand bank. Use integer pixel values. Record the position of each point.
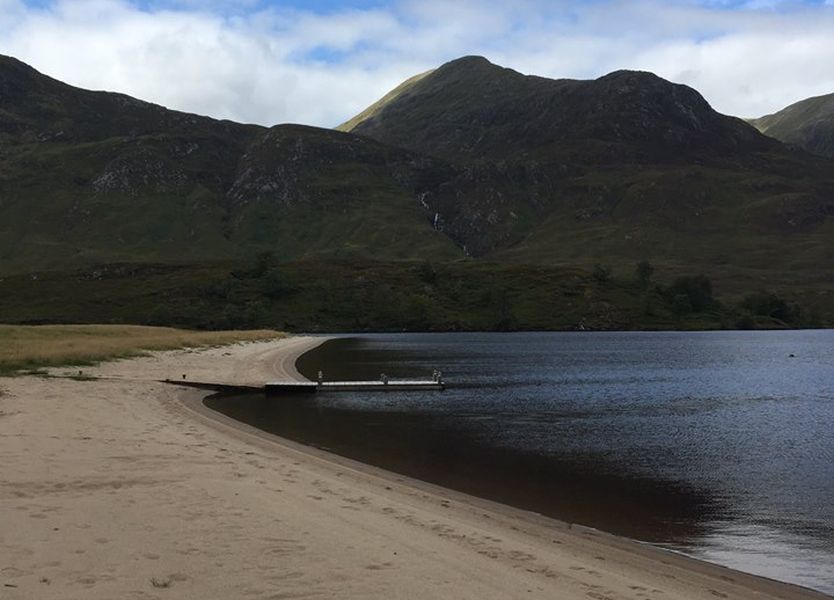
(127, 488)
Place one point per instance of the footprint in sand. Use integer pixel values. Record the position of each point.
(289, 547)
(285, 576)
(521, 556)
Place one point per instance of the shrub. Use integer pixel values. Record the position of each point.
(768, 304)
(644, 272)
(696, 290)
(601, 273)
(274, 284)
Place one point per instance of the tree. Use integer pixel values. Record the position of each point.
(506, 316)
(274, 284)
(694, 293)
(601, 273)
(644, 272)
(264, 261)
(768, 304)
(427, 273)
(681, 304)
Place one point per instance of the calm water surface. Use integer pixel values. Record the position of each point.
(719, 445)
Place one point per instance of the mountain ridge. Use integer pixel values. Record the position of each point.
(629, 154)
(808, 124)
(469, 161)
(495, 111)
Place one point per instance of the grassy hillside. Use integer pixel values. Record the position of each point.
(377, 107)
(618, 169)
(394, 296)
(89, 177)
(808, 124)
(512, 187)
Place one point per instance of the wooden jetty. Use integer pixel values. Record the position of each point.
(386, 385)
(273, 388)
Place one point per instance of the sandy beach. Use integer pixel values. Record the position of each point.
(125, 487)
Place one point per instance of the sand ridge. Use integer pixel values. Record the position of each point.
(129, 488)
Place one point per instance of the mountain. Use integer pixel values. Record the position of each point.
(808, 124)
(614, 169)
(90, 177)
(515, 179)
(470, 109)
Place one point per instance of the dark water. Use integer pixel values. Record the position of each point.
(720, 445)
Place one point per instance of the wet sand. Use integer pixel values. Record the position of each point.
(128, 488)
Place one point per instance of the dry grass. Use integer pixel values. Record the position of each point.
(25, 348)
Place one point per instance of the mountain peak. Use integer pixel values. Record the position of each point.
(626, 78)
(469, 61)
(631, 73)
(15, 77)
(12, 62)
(471, 108)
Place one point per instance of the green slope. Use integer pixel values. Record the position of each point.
(380, 104)
(506, 182)
(88, 177)
(617, 169)
(808, 124)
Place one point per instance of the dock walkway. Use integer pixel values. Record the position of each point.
(311, 387)
(391, 385)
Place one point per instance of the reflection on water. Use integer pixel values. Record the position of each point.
(716, 444)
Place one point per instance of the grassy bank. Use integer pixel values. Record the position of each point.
(324, 296)
(25, 348)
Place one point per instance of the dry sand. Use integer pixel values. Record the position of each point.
(126, 488)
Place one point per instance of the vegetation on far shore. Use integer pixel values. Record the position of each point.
(28, 348)
(326, 296)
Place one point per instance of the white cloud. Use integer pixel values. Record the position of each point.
(293, 65)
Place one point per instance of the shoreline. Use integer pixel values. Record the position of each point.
(197, 404)
(230, 510)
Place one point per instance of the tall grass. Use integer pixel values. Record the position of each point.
(24, 348)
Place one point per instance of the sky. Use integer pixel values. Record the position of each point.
(320, 62)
